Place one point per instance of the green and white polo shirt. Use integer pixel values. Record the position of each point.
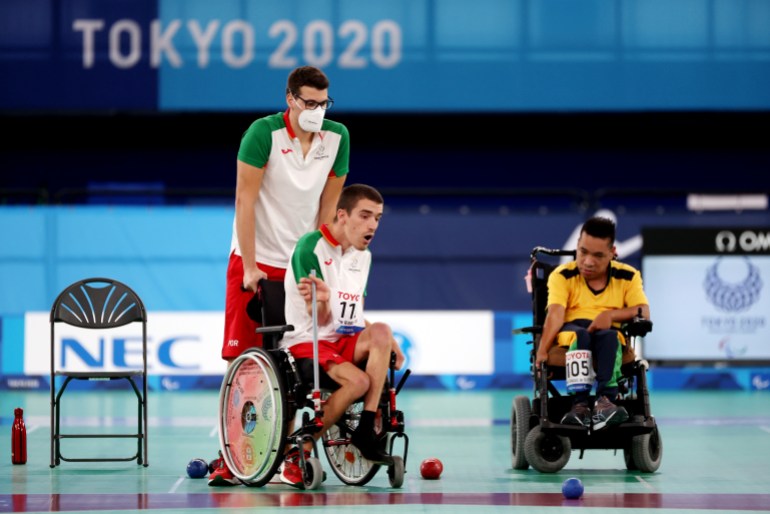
(289, 198)
(346, 274)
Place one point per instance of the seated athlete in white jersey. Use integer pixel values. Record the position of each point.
(339, 254)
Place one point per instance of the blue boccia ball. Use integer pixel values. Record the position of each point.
(197, 468)
(572, 488)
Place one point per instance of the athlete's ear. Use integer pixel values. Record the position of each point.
(614, 252)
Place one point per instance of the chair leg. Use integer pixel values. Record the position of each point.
(53, 429)
(144, 418)
(141, 446)
(139, 439)
(57, 441)
(57, 414)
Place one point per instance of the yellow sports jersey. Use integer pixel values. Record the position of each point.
(568, 288)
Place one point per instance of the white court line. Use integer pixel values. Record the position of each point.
(32, 428)
(766, 429)
(176, 484)
(214, 431)
(644, 482)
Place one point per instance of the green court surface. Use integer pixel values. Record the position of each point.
(716, 459)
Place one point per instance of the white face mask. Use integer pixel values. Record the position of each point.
(311, 121)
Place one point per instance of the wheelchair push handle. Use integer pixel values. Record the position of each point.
(549, 251)
(406, 374)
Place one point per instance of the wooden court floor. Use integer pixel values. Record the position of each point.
(716, 459)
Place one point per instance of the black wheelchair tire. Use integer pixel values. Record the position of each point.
(647, 451)
(545, 451)
(312, 475)
(521, 411)
(628, 458)
(396, 472)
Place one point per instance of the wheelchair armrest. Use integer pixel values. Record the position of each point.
(535, 329)
(278, 329)
(638, 327)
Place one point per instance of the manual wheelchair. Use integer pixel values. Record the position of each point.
(539, 439)
(265, 388)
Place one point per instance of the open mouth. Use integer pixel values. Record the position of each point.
(368, 237)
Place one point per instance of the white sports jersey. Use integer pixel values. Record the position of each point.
(346, 274)
(289, 198)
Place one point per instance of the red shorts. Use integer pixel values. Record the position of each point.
(239, 327)
(338, 352)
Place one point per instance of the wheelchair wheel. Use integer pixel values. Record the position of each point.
(252, 424)
(647, 451)
(546, 451)
(628, 458)
(520, 414)
(345, 459)
(312, 476)
(396, 472)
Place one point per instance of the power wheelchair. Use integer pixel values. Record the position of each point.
(539, 439)
(265, 388)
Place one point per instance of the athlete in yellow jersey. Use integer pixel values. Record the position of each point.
(588, 299)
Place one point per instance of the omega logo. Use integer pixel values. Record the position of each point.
(747, 241)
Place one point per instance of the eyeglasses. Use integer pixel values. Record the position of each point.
(312, 105)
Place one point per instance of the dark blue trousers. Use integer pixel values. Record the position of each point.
(606, 349)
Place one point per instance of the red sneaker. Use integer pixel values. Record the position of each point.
(222, 476)
(216, 463)
(291, 473)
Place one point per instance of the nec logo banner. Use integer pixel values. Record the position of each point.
(178, 343)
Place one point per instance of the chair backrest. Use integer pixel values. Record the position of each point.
(540, 271)
(267, 308)
(98, 303)
(273, 298)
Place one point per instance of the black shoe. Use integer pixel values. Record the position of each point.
(579, 415)
(370, 448)
(607, 413)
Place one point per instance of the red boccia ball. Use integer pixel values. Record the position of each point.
(431, 468)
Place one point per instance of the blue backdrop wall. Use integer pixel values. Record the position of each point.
(387, 55)
(176, 257)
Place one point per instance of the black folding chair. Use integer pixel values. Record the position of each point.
(98, 303)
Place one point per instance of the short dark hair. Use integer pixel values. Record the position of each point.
(353, 193)
(306, 76)
(599, 227)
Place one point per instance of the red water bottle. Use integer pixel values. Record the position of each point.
(19, 438)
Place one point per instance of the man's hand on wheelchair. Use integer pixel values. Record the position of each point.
(251, 277)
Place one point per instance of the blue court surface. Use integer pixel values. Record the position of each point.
(716, 459)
